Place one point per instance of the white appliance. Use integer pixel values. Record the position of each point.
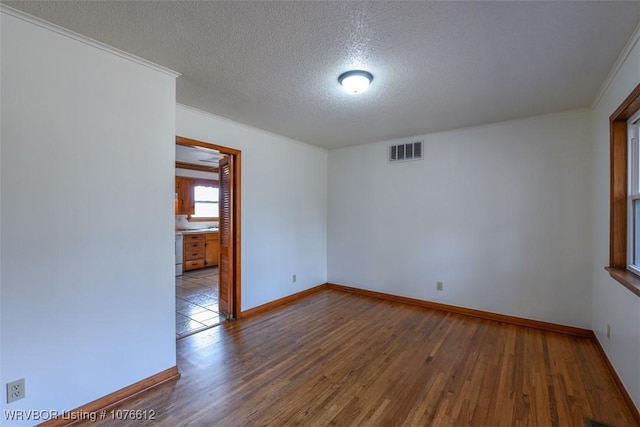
(178, 254)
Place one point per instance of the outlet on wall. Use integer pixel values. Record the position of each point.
(15, 390)
(608, 331)
(293, 278)
(438, 286)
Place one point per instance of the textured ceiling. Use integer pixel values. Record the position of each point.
(436, 65)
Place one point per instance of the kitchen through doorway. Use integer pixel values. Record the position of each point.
(207, 235)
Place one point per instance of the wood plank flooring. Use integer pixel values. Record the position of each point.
(335, 358)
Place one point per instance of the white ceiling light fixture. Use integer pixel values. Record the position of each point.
(355, 81)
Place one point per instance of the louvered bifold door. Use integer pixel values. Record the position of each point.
(225, 269)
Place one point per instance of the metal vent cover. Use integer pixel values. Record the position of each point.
(404, 152)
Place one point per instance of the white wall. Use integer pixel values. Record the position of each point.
(499, 213)
(87, 145)
(613, 304)
(284, 199)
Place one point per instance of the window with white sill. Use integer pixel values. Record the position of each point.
(206, 202)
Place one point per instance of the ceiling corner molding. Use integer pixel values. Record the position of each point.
(86, 40)
(633, 40)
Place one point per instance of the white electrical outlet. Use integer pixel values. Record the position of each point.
(608, 331)
(15, 390)
(438, 286)
(293, 278)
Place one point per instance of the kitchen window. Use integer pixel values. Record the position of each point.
(205, 199)
(206, 202)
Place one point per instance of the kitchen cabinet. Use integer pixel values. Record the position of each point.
(193, 257)
(211, 249)
(200, 250)
(185, 204)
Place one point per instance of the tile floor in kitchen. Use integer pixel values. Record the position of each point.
(197, 301)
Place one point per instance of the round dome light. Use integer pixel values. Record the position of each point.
(355, 81)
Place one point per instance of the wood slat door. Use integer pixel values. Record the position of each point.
(225, 269)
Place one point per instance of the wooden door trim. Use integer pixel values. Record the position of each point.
(237, 197)
(180, 140)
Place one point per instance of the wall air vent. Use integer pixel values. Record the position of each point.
(404, 152)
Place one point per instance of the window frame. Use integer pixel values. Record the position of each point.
(619, 167)
(195, 182)
(633, 189)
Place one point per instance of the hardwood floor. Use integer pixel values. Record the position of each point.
(343, 359)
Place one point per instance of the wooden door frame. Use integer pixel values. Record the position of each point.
(237, 163)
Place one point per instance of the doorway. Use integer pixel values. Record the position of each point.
(226, 270)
